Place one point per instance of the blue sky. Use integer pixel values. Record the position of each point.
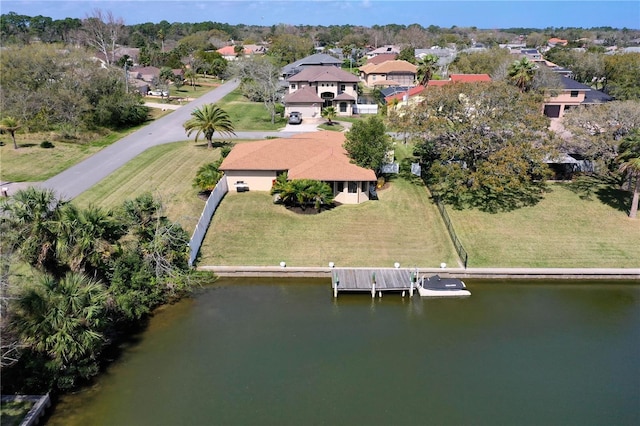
(481, 14)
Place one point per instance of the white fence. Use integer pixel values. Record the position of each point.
(365, 109)
(205, 218)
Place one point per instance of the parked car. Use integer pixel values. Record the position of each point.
(295, 117)
(158, 93)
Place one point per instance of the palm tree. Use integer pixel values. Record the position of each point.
(426, 68)
(329, 113)
(629, 157)
(64, 321)
(11, 125)
(207, 120)
(207, 177)
(33, 214)
(521, 73)
(87, 237)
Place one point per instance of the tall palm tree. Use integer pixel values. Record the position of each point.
(521, 73)
(63, 320)
(629, 157)
(329, 113)
(207, 120)
(426, 68)
(11, 125)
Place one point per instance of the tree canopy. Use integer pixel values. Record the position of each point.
(483, 145)
(367, 143)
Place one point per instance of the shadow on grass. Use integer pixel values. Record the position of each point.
(615, 198)
(606, 189)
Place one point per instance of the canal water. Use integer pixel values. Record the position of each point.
(276, 352)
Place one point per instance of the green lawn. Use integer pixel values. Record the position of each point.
(403, 226)
(167, 171)
(561, 231)
(249, 116)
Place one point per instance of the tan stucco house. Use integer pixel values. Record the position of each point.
(388, 73)
(317, 87)
(317, 155)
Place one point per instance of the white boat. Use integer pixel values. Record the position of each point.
(442, 287)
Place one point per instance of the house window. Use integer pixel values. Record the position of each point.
(353, 187)
(363, 187)
(355, 87)
(293, 86)
(339, 186)
(574, 93)
(343, 107)
(342, 87)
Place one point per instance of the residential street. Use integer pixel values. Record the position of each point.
(77, 179)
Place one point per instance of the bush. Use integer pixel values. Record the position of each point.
(46, 144)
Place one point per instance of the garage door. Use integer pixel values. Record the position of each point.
(552, 111)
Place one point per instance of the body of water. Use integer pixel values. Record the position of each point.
(275, 352)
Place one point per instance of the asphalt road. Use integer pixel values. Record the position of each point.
(82, 176)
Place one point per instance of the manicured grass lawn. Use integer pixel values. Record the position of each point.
(249, 116)
(167, 171)
(403, 226)
(561, 231)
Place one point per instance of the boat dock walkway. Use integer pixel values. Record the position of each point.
(375, 281)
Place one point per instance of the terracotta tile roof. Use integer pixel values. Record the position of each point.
(382, 58)
(469, 78)
(390, 67)
(454, 78)
(304, 95)
(317, 155)
(438, 82)
(320, 73)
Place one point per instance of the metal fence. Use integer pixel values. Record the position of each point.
(462, 253)
(205, 218)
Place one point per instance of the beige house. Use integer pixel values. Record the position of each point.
(317, 87)
(389, 73)
(317, 155)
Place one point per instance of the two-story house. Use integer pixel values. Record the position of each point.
(388, 73)
(317, 87)
(572, 95)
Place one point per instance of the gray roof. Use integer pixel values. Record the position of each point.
(592, 96)
(319, 73)
(317, 59)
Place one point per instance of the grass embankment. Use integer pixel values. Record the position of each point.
(249, 116)
(403, 226)
(167, 171)
(563, 231)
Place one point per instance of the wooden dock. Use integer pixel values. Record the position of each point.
(374, 281)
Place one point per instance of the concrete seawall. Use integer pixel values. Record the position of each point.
(629, 274)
